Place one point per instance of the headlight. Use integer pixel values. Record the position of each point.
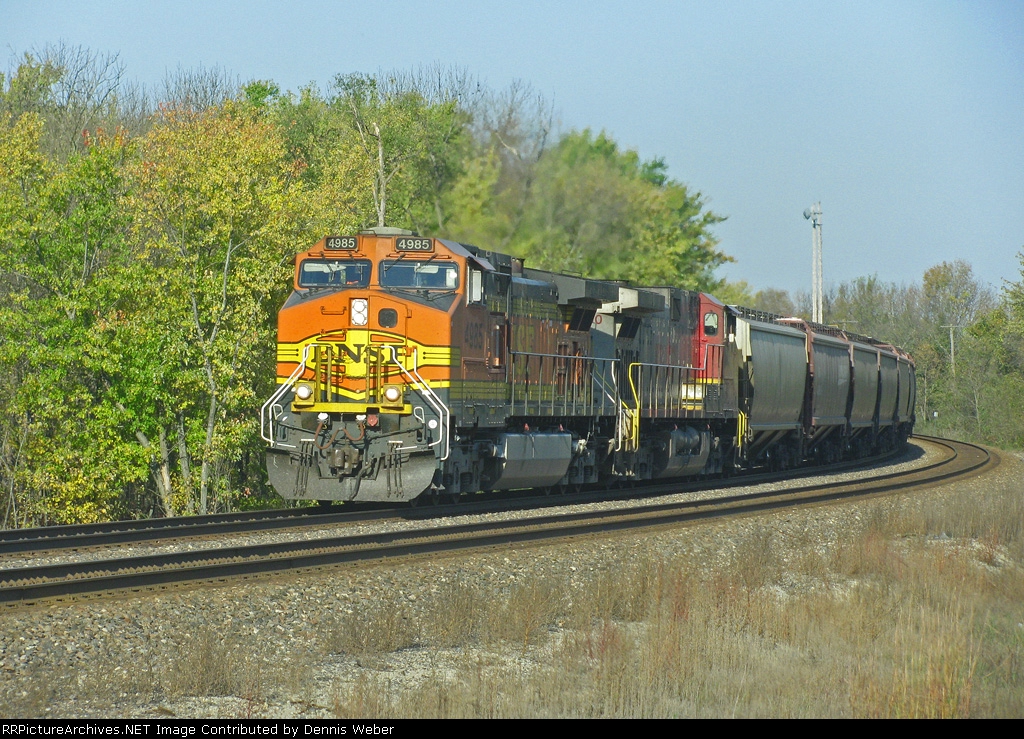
(392, 393)
(303, 392)
(360, 312)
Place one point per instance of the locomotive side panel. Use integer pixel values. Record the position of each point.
(480, 392)
(534, 323)
(667, 379)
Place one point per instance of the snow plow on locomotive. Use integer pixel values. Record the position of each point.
(411, 365)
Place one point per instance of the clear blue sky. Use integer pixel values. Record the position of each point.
(905, 119)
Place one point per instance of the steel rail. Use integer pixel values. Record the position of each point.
(31, 585)
(21, 542)
(56, 538)
(61, 530)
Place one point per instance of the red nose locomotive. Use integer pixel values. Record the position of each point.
(409, 364)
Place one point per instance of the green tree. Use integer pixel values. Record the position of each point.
(603, 212)
(411, 142)
(775, 301)
(511, 132)
(73, 90)
(61, 227)
(216, 220)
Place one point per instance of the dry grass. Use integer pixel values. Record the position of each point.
(916, 613)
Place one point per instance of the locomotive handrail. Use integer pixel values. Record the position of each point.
(561, 356)
(285, 387)
(575, 393)
(641, 365)
(444, 414)
(671, 403)
(702, 368)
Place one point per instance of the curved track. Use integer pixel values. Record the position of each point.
(68, 581)
(18, 543)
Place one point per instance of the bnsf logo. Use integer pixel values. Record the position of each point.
(353, 352)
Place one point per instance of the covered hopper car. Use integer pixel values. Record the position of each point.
(410, 365)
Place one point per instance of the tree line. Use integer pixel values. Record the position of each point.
(147, 237)
(967, 341)
(147, 241)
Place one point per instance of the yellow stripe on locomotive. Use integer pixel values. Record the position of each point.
(359, 373)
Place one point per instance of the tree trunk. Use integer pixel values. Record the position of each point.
(211, 425)
(163, 479)
(184, 461)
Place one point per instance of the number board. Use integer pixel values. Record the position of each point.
(341, 242)
(413, 243)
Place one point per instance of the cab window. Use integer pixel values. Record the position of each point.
(421, 275)
(475, 293)
(334, 273)
(710, 324)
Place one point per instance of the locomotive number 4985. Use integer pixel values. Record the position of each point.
(408, 243)
(341, 242)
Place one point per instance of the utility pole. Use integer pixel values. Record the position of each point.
(813, 214)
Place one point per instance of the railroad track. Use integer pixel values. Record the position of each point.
(69, 581)
(20, 543)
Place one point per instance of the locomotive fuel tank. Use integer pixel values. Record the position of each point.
(530, 460)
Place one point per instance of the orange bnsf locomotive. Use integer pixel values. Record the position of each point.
(411, 365)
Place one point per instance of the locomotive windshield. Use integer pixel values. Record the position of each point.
(334, 273)
(419, 275)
